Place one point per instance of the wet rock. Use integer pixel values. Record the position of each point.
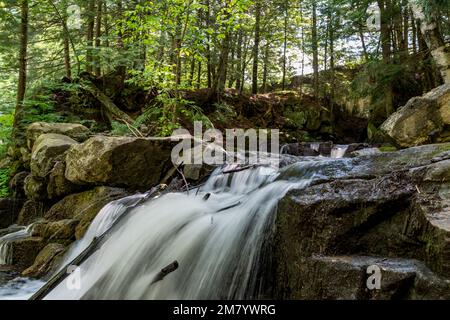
(9, 211)
(307, 149)
(84, 206)
(25, 251)
(17, 184)
(58, 186)
(346, 277)
(46, 261)
(394, 206)
(117, 161)
(35, 188)
(31, 212)
(75, 131)
(422, 120)
(46, 150)
(439, 172)
(61, 230)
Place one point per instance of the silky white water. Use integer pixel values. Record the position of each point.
(216, 241)
(5, 244)
(217, 233)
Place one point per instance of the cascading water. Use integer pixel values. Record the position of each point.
(217, 242)
(5, 244)
(217, 233)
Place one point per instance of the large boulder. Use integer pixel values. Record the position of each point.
(46, 261)
(117, 161)
(84, 206)
(58, 186)
(422, 120)
(346, 277)
(46, 150)
(75, 131)
(381, 207)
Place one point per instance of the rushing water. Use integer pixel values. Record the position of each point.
(217, 234)
(5, 243)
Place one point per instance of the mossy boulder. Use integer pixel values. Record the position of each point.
(46, 261)
(46, 150)
(58, 186)
(75, 131)
(422, 120)
(118, 161)
(84, 206)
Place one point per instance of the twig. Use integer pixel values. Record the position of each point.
(184, 178)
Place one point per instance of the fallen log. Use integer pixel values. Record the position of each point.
(107, 103)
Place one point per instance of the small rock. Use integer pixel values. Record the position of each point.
(31, 212)
(35, 188)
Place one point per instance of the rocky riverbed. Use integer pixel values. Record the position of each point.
(390, 209)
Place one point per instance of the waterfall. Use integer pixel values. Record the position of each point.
(216, 233)
(5, 243)
(219, 233)
(339, 151)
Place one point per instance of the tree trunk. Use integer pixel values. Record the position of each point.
(256, 46)
(386, 50)
(90, 35)
(66, 41)
(266, 67)
(434, 40)
(22, 81)
(98, 34)
(315, 48)
(286, 20)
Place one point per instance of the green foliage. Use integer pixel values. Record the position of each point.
(375, 78)
(119, 129)
(6, 122)
(4, 180)
(224, 112)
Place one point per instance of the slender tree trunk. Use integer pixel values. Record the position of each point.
(363, 43)
(66, 42)
(98, 34)
(121, 69)
(433, 38)
(266, 67)
(315, 47)
(239, 60)
(22, 82)
(192, 72)
(286, 20)
(256, 46)
(386, 50)
(199, 75)
(90, 35)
